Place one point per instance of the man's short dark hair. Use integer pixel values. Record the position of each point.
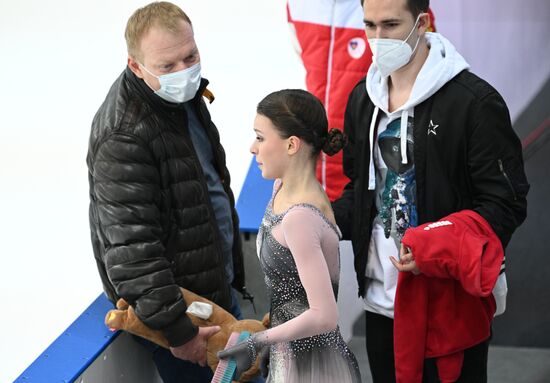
(415, 6)
(418, 6)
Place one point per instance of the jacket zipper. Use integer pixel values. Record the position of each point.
(507, 178)
(330, 59)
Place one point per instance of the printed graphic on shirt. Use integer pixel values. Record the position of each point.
(398, 203)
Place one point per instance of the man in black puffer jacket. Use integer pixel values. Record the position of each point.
(161, 209)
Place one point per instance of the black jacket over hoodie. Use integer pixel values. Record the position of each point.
(473, 162)
(152, 224)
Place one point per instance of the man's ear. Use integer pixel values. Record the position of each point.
(294, 144)
(135, 67)
(424, 23)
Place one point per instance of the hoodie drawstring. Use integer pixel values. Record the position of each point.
(404, 124)
(372, 174)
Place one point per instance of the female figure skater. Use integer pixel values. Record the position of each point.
(298, 247)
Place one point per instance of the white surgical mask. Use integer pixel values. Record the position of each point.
(390, 54)
(179, 86)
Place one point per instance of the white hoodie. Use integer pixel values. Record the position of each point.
(442, 64)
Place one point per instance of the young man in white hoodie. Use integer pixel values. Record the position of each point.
(427, 138)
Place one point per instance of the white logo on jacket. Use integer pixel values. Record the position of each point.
(432, 127)
(437, 224)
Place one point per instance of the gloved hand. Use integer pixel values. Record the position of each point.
(244, 354)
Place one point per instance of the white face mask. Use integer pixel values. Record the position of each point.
(390, 54)
(179, 86)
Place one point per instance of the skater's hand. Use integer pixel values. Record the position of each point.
(244, 353)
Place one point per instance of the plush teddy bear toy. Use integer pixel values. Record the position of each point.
(125, 318)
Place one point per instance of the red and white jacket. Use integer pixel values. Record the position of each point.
(449, 307)
(330, 36)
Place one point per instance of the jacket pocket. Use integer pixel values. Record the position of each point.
(507, 178)
(511, 170)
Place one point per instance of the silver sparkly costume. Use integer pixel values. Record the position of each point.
(320, 358)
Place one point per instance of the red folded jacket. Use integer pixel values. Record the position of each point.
(449, 306)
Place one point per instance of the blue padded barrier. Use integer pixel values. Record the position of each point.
(254, 197)
(74, 350)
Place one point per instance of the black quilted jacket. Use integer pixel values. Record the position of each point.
(473, 162)
(152, 224)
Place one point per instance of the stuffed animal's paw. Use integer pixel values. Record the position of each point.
(115, 319)
(128, 321)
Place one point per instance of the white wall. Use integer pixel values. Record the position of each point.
(57, 61)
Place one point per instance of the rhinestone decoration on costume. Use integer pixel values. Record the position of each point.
(321, 358)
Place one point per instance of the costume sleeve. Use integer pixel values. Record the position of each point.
(302, 230)
(127, 188)
(496, 168)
